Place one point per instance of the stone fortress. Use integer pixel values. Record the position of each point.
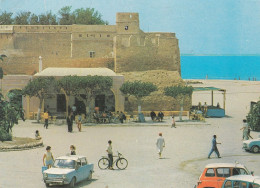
(123, 48)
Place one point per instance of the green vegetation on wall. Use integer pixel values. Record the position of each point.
(87, 16)
(253, 117)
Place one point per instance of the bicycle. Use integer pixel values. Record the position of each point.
(120, 162)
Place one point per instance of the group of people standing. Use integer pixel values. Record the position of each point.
(74, 116)
(48, 158)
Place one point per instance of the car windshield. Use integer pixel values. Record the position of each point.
(64, 163)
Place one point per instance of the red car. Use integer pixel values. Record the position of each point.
(215, 174)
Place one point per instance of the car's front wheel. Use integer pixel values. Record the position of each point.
(72, 182)
(255, 149)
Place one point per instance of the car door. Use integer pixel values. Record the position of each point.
(222, 174)
(85, 169)
(79, 171)
(227, 184)
(208, 178)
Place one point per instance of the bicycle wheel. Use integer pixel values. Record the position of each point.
(103, 163)
(122, 163)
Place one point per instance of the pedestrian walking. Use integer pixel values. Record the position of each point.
(214, 147)
(160, 143)
(173, 122)
(70, 122)
(110, 155)
(48, 158)
(79, 119)
(46, 119)
(72, 150)
(245, 129)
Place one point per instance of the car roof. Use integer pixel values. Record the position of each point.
(71, 157)
(248, 178)
(221, 165)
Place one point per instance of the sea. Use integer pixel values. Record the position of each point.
(221, 67)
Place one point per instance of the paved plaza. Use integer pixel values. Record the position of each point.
(184, 156)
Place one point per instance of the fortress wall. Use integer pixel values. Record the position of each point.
(94, 28)
(102, 48)
(100, 42)
(44, 44)
(79, 63)
(132, 49)
(155, 53)
(6, 41)
(30, 65)
(42, 29)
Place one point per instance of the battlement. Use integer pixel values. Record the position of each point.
(127, 17)
(161, 34)
(6, 29)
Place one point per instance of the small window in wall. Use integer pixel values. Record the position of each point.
(126, 27)
(80, 35)
(92, 54)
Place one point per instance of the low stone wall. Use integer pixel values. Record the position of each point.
(19, 144)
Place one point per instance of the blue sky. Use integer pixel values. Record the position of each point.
(202, 26)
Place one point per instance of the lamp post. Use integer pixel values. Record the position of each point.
(40, 63)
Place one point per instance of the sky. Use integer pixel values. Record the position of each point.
(203, 27)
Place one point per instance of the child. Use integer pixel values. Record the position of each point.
(173, 122)
(48, 158)
(72, 150)
(79, 122)
(37, 135)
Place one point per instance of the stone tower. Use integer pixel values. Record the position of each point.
(127, 23)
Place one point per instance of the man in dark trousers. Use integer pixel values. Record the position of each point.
(214, 147)
(70, 121)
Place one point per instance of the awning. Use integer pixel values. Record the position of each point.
(212, 89)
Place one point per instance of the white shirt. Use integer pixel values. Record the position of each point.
(160, 142)
(109, 149)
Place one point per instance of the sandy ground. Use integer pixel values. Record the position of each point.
(184, 157)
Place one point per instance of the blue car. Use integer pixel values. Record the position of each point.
(252, 145)
(68, 170)
(242, 181)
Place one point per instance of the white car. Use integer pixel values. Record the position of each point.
(68, 170)
(252, 145)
